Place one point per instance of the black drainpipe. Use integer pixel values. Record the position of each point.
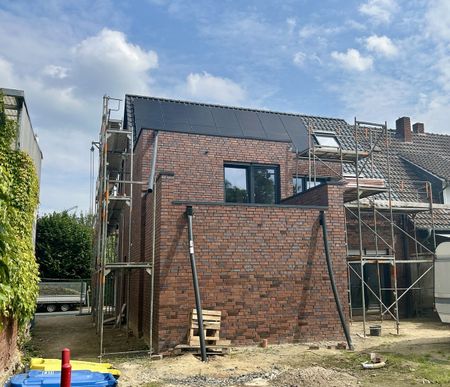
(323, 222)
(198, 305)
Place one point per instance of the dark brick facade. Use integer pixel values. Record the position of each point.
(263, 266)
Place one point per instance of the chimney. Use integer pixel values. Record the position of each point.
(403, 126)
(419, 127)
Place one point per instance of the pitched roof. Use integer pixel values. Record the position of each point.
(431, 162)
(226, 121)
(409, 166)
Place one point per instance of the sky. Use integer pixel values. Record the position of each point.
(376, 60)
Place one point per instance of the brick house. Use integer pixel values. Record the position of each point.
(259, 250)
(257, 194)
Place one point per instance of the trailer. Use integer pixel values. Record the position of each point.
(442, 284)
(61, 295)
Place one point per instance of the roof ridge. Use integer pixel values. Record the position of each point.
(237, 107)
(431, 134)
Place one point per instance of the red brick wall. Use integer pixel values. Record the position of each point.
(263, 266)
(8, 344)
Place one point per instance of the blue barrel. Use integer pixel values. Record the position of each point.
(52, 379)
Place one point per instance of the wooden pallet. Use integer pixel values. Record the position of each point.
(195, 349)
(211, 327)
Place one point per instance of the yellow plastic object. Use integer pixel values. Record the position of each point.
(38, 363)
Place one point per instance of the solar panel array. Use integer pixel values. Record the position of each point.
(212, 120)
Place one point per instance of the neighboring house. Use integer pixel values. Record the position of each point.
(16, 110)
(418, 173)
(257, 182)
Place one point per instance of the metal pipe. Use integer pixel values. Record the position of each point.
(323, 222)
(152, 279)
(198, 306)
(151, 180)
(358, 201)
(391, 220)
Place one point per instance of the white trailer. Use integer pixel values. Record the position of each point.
(61, 295)
(442, 282)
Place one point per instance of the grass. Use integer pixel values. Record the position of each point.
(426, 367)
(406, 368)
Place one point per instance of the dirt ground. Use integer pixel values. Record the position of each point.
(52, 333)
(420, 354)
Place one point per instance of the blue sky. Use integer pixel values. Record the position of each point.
(373, 59)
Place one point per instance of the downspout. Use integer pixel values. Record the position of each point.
(151, 180)
(323, 223)
(150, 189)
(198, 305)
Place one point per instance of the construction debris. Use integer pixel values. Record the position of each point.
(375, 362)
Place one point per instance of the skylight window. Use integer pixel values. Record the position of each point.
(327, 140)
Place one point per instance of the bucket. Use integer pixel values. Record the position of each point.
(375, 330)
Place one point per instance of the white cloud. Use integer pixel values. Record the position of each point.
(54, 71)
(299, 58)
(107, 62)
(7, 78)
(211, 88)
(443, 68)
(380, 11)
(64, 99)
(353, 60)
(317, 30)
(381, 45)
(438, 19)
(292, 23)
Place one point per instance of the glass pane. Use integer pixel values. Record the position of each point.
(236, 190)
(327, 141)
(312, 183)
(297, 185)
(264, 185)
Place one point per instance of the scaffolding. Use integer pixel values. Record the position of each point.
(112, 265)
(369, 194)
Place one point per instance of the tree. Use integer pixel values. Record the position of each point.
(64, 245)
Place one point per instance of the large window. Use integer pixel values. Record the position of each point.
(252, 183)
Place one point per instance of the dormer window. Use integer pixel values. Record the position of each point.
(326, 139)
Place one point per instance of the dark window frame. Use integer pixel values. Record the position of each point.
(250, 174)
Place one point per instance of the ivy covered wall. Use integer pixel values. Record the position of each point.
(18, 202)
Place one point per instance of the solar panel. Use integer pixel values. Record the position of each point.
(147, 114)
(297, 131)
(206, 129)
(272, 124)
(175, 113)
(185, 117)
(200, 115)
(226, 122)
(250, 124)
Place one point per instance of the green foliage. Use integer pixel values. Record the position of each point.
(64, 245)
(18, 203)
